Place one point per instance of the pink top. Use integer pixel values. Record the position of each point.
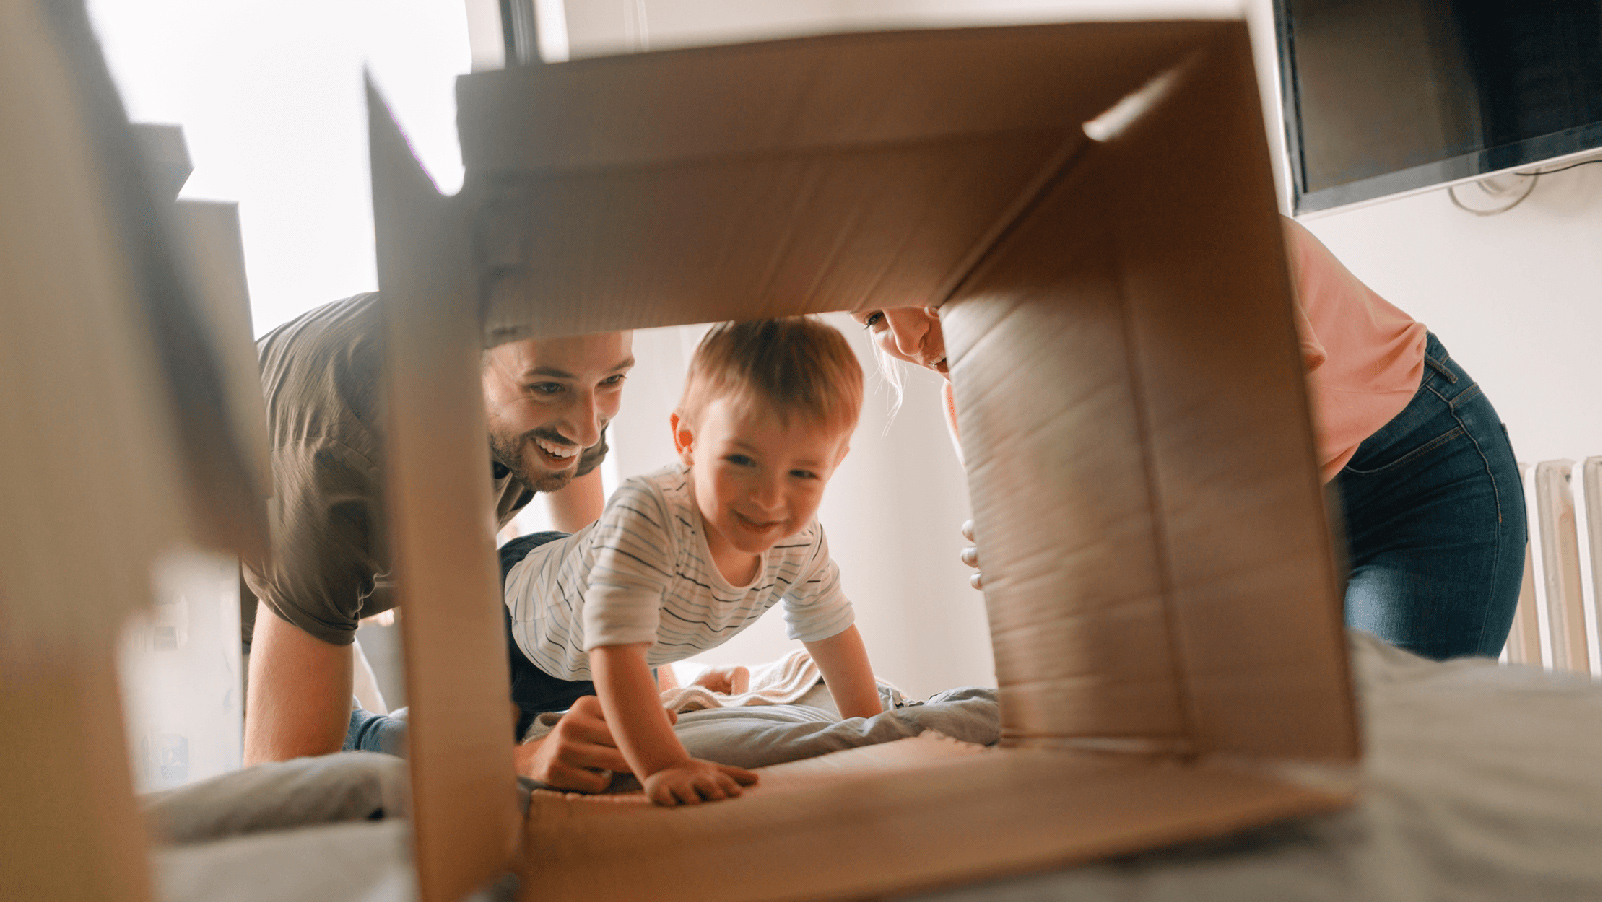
(1364, 357)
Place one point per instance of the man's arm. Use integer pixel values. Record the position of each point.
(577, 504)
(298, 699)
(843, 661)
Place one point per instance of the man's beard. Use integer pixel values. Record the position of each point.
(511, 455)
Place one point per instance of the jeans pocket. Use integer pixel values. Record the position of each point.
(1409, 456)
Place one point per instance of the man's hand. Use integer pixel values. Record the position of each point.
(578, 754)
(694, 781)
(735, 680)
(970, 555)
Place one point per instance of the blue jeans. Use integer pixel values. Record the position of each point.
(369, 732)
(1435, 521)
(533, 690)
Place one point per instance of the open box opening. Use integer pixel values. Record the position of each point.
(1161, 590)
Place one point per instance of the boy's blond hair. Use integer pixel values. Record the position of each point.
(795, 365)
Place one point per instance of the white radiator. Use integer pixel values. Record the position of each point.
(1555, 626)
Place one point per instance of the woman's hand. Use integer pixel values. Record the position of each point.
(970, 555)
(695, 781)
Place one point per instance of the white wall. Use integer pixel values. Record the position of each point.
(181, 676)
(1516, 298)
(271, 100)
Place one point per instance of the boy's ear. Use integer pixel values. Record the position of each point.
(844, 447)
(683, 438)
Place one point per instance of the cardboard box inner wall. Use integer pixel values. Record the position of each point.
(1159, 580)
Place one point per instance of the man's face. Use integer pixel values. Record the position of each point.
(547, 401)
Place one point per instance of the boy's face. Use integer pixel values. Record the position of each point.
(757, 480)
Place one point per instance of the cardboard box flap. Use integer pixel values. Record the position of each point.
(218, 467)
(906, 828)
(115, 447)
(441, 530)
(790, 176)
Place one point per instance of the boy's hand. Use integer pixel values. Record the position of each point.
(579, 753)
(696, 781)
(734, 680)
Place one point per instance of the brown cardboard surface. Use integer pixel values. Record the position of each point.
(95, 467)
(79, 381)
(225, 508)
(791, 176)
(1141, 462)
(1157, 561)
(911, 827)
(70, 828)
(441, 533)
(215, 254)
(807, 774)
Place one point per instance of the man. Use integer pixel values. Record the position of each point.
(547, 406)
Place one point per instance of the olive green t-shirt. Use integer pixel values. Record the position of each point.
(322, 374)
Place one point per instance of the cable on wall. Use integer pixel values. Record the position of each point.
(1533, 177)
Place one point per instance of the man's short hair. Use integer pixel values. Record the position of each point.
(796, 365)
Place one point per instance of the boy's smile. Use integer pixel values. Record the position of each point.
(757, 479)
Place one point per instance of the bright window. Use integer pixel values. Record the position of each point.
(271, 100)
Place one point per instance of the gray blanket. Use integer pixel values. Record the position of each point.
(333, 827)
(349, 786)
(1480, 783)
(359, 786)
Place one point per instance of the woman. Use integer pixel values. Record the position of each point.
(1430, 491)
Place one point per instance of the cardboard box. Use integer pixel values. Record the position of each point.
(121, 437)
(1162, 595)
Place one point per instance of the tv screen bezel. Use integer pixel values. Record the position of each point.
(1552, 147)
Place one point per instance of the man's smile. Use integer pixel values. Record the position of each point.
(560, 452)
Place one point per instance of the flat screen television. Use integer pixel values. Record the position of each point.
(1386, 97)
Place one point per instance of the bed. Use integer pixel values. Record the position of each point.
(1480, 781)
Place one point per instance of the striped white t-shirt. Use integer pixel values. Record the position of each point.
(642, 573)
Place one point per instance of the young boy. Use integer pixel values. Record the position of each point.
(685, 558)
